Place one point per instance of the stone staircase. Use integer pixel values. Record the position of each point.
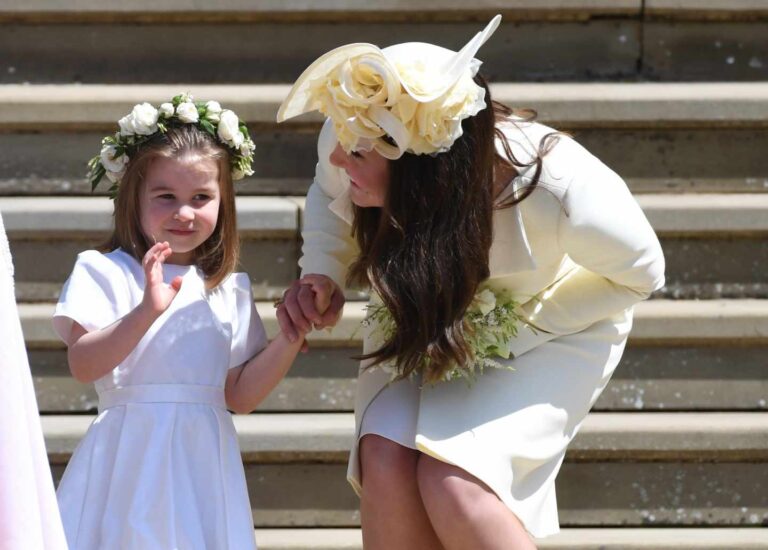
(673, 94)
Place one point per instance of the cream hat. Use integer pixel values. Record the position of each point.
(416, 94)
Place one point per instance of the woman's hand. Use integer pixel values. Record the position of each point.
(312, 301)
(158, 295)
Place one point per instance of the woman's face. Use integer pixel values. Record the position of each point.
(368, 173)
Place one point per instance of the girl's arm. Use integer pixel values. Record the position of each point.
(93, 354)
(248, 384)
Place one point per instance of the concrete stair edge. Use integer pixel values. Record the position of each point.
(645, 538)
(656, 321)
(292, 437)
(700, 213)
(568, 104)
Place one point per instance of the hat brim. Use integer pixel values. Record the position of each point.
(297, 100)
(451, 66)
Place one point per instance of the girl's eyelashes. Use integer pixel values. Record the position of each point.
(357, 154)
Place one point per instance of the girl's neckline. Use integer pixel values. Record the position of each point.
(176, 268)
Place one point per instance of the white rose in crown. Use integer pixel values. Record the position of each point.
(166, 110)
(114, 177)
(187, 112)
(247, 148)
(229, 129)
(143, 119)
(110, 161)
(213, 111)
(126, 126)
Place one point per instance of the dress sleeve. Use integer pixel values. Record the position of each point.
(328, 247)
(94, 296)
(618, 256)
(248, 334)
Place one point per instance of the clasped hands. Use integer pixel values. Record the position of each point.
(314, 301)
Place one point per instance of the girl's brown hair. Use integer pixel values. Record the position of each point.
(219, 254)
(427, 249)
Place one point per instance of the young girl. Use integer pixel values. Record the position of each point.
(171, 338)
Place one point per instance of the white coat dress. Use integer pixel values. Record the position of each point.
(578, 253)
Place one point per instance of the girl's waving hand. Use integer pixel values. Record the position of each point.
(157, 294)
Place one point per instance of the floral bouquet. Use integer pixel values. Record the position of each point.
(491, 321)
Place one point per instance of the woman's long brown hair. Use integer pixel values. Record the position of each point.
(218, 256)
(427, 249)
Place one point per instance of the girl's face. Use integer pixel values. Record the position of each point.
(368, 172)
(179, 203)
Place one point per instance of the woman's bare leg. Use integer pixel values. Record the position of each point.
(465, 513)
(391, 512)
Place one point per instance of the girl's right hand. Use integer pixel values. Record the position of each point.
(158, 295)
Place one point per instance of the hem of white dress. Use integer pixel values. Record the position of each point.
(357, 487)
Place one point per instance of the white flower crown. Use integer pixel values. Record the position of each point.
(144, 121)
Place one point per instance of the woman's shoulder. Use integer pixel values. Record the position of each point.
(563, 157)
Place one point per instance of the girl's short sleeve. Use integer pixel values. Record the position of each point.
(248, 334)
(95, 295)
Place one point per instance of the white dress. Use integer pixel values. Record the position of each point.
(160, 466)
(29, 515)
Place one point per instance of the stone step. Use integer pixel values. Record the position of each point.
(646, 538)
(573, 105)
(713, 10)
(49, 132)
(649, 378)
(322, 10)
(657, 322)
(326, 437)
(693, 229)
(179, 11)
(622, 469)
(701, 215)
(273, 41)
(682, 355)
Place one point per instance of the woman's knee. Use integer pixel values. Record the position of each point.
(448, 489)
(386, 465)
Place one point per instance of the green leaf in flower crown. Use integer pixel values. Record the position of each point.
(177, 100)
(96, 174)
(162, 127)
(208, 127)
